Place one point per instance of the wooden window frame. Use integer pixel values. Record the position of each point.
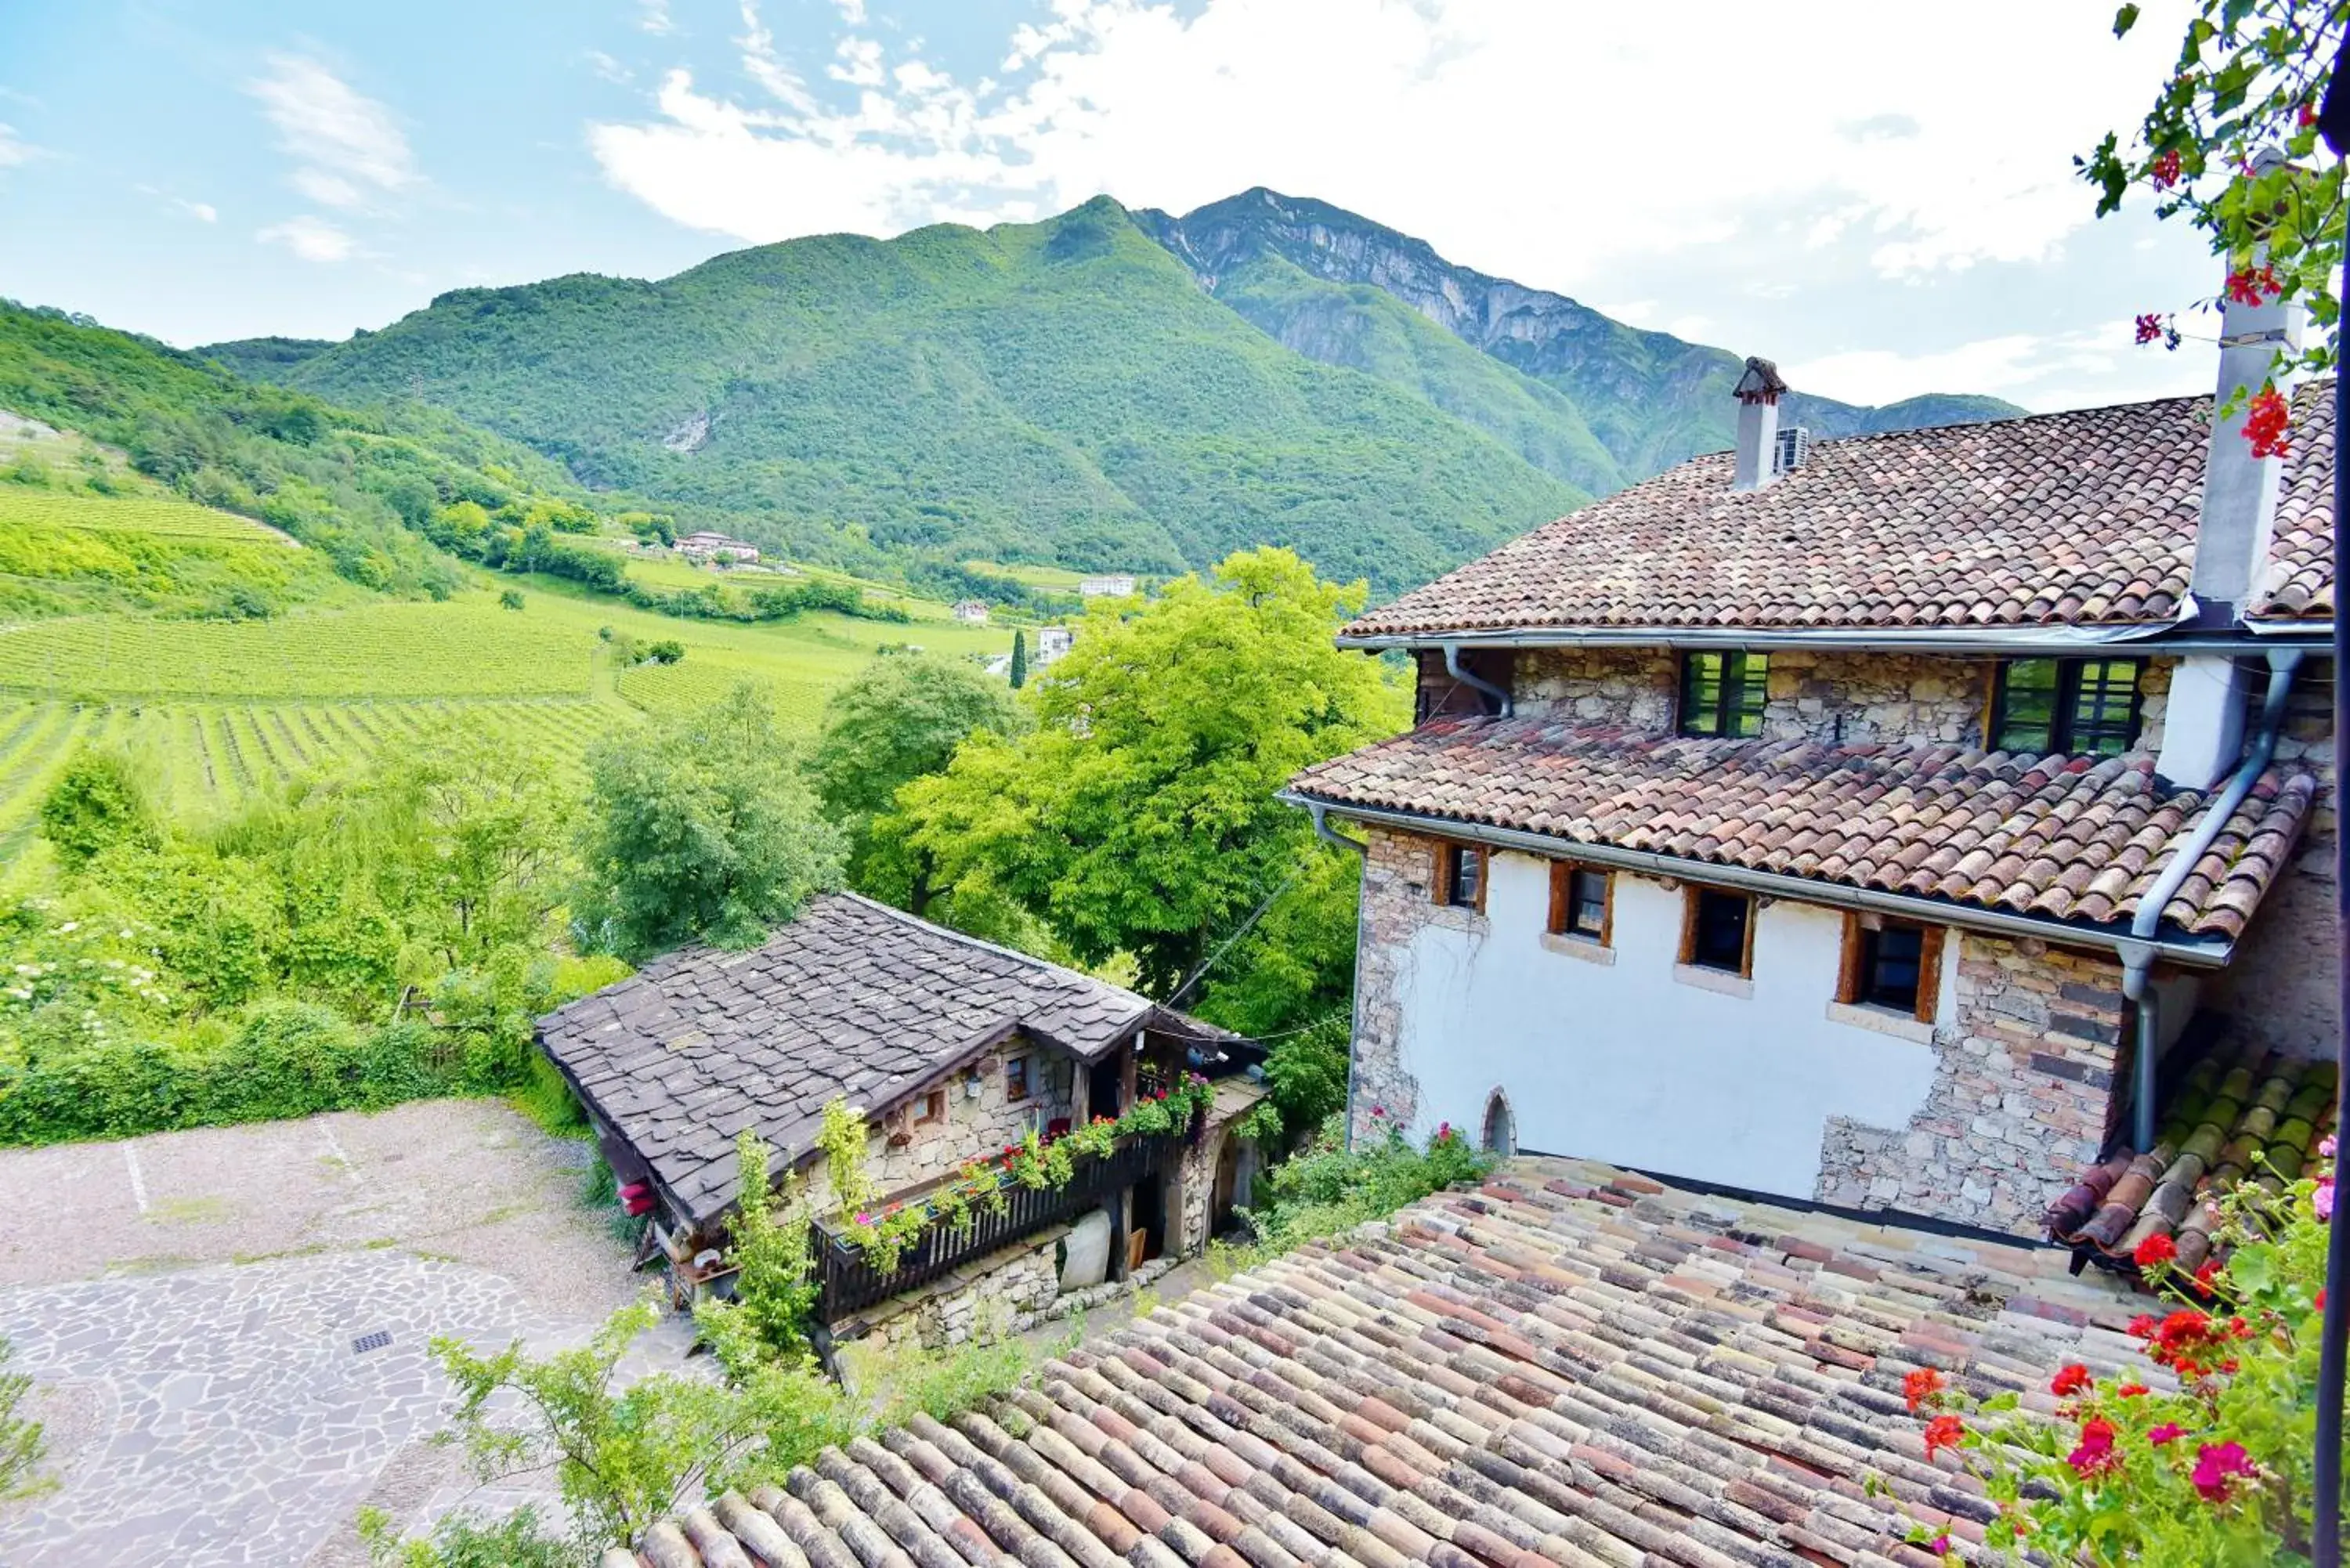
(1019, 1086)
(1716, 724)
(2063, 703)
(934, 1109)
(1561, 902)
(1693, 894)
(1851, 983)
(1447, 853)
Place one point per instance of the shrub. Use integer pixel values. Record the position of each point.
(466, 1540)
(1326, 1188)
(99, 801)
(510, 599)
(22, 1444)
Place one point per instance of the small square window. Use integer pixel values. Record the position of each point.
(1464, 876)
(1723, 694)
(1892, 964)
(934, 1109)
(1718, 926)
(1015, 1079)
(2066, 707)
(1579, 901)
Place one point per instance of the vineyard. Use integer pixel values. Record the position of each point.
(204, 756)
(157, 515)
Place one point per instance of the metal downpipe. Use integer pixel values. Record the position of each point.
(1476, 682)
(2138, 962)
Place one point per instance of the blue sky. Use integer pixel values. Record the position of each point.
(1877, 196)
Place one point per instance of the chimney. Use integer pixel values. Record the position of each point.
(2203, 723)
(1758, 424)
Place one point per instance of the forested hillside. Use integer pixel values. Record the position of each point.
(1058, 391)
(1320, 279)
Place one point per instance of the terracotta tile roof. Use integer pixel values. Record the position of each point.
(2252, 1115)
(1572, 1365)
(853, 999)
(2084, 518)
(2300, 581)
(2071, 839)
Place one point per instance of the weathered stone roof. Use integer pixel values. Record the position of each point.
(2085, 518)
(1572, 1365)
(853, 1000)
(2072, 838)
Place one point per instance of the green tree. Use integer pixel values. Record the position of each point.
(774, 1289)
(701, 829)
(98, 802)
(2245, 85)
(1019, 659)
(1138, 816)
(22, 1443)
(896, 720)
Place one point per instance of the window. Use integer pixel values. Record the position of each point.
(1582, 902)
(2069, 707)
(1460, 875)
(1717, 931)
(934, 1109)
(1722, 693)
(1015, 1079)
(1892, 964)
(1501, 1126)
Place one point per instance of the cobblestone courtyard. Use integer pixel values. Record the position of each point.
(190, 1305)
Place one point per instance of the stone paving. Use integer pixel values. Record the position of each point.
(215, 1411)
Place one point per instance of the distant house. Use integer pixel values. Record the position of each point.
(1116, 587)
(707, 544)
(1051, 642)
(951, 1049)
(972, 612)
(1895, 822)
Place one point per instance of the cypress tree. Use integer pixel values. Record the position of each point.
(1019, 660)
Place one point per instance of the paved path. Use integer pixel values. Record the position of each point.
(189, 1304)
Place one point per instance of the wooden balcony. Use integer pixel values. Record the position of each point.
(848, 1281)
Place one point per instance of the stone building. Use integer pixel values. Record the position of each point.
(1890, 822)
(951, 1051)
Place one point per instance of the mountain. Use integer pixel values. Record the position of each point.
(1061, 391)
(1318, 279)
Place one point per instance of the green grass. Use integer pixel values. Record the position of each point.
(66, 552)
(1056, 579)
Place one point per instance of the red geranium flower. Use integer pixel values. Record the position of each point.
(2253, 286)
(2206, 1276)
(2095, 1455)
(2142, 1326)
(2169, 1432)
(2150, 325)
(1943, 1432)
(2069, 1379)
(2153, 1250)
(2217, 1466)
(2268, 426)
(1920, 1386)
(2130, 1390)
(2165, 170)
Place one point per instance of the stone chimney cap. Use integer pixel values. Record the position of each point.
(1760, 384)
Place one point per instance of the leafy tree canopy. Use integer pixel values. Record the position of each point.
(701, 828)
(1138, 816)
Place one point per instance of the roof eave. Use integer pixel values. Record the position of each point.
(2198, 953)
(2009, 641)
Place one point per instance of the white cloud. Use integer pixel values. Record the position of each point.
(14, 148)
(310, 238)
(2040, 370)
(202, 211)
(1545, 142)
(606, 66)
(653, 16)
(348, 146)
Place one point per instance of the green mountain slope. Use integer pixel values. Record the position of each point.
(1057, 392)
(1649, 398)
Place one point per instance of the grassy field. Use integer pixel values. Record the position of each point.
(1055, 579)
(164, 515)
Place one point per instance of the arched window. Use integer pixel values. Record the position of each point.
(1501, 1127)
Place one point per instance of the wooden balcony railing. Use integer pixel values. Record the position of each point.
(847, 1279)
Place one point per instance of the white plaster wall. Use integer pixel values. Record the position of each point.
(1626, 1063)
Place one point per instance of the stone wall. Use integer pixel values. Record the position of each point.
(2022, 1089)
(1854, 698)
(905, 1151)
(1398, 869)
(982, 1300)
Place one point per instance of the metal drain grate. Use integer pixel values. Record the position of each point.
(367, 1342)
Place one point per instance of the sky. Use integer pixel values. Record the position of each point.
(1878, 195)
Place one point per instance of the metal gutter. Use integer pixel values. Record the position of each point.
(2198, 954)
(2317, 631)
(2138, 962)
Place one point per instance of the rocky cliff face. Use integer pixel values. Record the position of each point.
(1649, 398)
